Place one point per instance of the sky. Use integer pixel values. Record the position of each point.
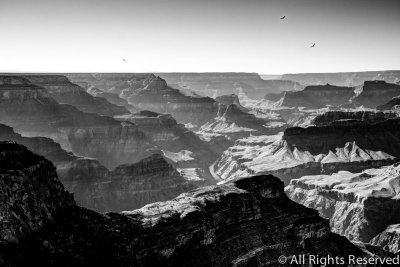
(199, 36)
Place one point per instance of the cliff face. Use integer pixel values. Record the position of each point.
(218, 84)
(318, 96)
(31, 193)
(368, 117)
(65, 92)
(234, 122)
(359, 205)
(389, 239)
(148, 92)
(393, 104)
(247, 223)
(112, 98)
(94, 186)
(375, 93)
(180, 146)
(344, 78)
(347, 145)
(31, 110)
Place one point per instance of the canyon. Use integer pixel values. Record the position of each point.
(127, 187)
(361, 206)
(253, 214)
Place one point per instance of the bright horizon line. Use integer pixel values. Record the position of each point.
(188, 72)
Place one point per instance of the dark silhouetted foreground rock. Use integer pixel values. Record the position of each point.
(128, 187)
(246, 223)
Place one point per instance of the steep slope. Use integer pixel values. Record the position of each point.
(393, 104)
(218, 84)
(31, 111)
(149, 92)
(344, 78)
(112, 98)
(183, 148)
(318, 96)
(31, 193)
(94, 186)
(347, 145)
(389, 239)
(376, 93)
(65, 92)
(234, 122)
(359, 205)
(368, 117)
(253, 214)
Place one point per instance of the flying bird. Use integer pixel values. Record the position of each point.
(283, 17)
(123, 59)
(312, 45)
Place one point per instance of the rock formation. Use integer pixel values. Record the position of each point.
(343, 145)
(218, 84)
(376, 93)
(149, 92)
(183, 148)
(30, 110)
(393, 104)
(389, 239)
(65, 92)
(247, 223)
(112, 98)
(360, 206)
(234, 122)
(318, 96)
(127, 187)
(368, 117)
(343, 78)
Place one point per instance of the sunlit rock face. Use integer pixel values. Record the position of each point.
(127, 187)
(348, 145)
(218, 84)
(235, 122)
(368, 117)
(31, 111)
(376, 93)
(31, 194)
(183, 148)
(247, 223)
(343, 78)
(65, 92)
(361, 206)
(318, 96)
(149, 92)
(389, 239)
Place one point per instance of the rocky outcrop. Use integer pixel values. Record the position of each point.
(94, 186)
(247, 223)
(112, 98)
(183, 148)
(31, 110)
(344, 78)
(65, 92)
(234, 122)
(367, 117)
(31, 193)
(393, 104)
(359, 205)
(228, 99)
(149, 92)
(318, 96)
(376, 93)
(389, 239)
(218, 84)
(344, 145)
